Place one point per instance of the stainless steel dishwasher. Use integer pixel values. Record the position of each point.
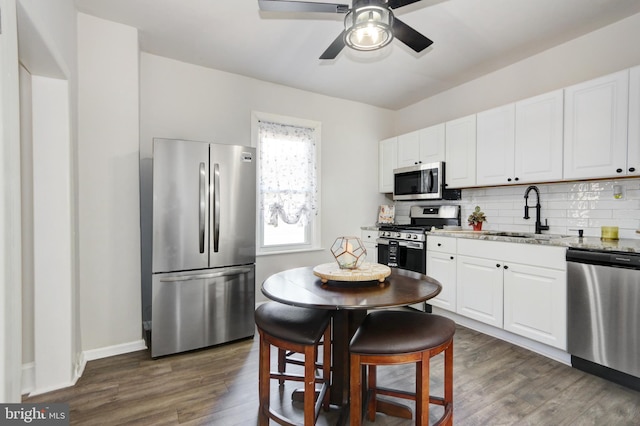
(603, 317)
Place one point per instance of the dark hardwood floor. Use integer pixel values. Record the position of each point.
(495, 383)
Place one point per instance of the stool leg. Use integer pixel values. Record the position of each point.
(310, 353)
(372, 385)
(422, 390)
(326, 367)
(282, 363)
(263, 381)
(448, 380)
(355, 390)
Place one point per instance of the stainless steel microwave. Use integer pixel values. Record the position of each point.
(422, 182)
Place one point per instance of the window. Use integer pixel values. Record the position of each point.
(288, 158)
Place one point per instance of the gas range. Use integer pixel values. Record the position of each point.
(423, 218)
(403, 232)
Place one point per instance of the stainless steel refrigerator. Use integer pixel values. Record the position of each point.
(202, 246)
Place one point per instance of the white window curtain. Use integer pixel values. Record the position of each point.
(288, 173)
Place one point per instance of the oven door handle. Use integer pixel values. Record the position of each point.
(408, 244)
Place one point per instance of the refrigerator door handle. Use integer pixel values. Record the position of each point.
(203, 205)
(216, 206)
(225, 273)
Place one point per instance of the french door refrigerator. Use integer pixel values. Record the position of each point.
(203, 245)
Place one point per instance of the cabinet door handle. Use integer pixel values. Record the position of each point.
(439, 244)
(506, 267)
(632, 169)
(451, 257)
(618, 170)
(517, 179)
(497, 265)
(508, 179)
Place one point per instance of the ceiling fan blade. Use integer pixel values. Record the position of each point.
(409, 36)
(335, 47)
(301, 6)
(394, 4)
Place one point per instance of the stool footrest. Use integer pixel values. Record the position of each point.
(436, 400)
(293, 377)
(300, 362)
(396, 393)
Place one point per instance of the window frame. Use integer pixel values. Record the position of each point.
(313, 232)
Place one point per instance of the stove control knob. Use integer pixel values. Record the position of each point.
(415, 236)
(398, 235)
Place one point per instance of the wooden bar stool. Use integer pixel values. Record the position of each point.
(402, 337)
(300, 330)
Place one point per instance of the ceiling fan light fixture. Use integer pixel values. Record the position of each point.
(368, 28)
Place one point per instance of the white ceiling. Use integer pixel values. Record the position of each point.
(471, 38)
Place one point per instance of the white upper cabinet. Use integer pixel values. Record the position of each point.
(409, 149)
(460, 147)
(539, 133)
(587, 131)
(387, 161)
(422, 146)
(495, 146)
(522, 142)
(432, 144)
(595, 131)
(633, 146)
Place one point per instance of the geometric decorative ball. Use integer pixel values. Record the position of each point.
(349, 252)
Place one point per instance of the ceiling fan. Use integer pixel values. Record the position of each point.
(369, 24)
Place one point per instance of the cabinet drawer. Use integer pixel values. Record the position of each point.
(441, 244)
(526, 254)
(368, 236)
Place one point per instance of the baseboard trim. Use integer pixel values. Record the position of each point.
(28, 377)
(499, 333)
(29, 369)
(114, 350)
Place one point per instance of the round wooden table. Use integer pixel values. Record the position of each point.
(349, 301)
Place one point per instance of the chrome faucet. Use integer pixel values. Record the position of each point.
(539, 226)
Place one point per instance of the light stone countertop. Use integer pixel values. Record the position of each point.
(589, 243)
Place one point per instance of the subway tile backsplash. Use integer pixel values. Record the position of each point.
(567, 207)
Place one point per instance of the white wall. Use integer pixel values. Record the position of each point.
(600, 52)
(47, 49)
(10, 273)
(109, 214)
(179, 100)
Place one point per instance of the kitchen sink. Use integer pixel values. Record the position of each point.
(526, 235)
(512, 234)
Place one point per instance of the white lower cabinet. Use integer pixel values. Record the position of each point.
(480, 289)
(535, 301)
(368, 238)
(521, 288)
(441, 265)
